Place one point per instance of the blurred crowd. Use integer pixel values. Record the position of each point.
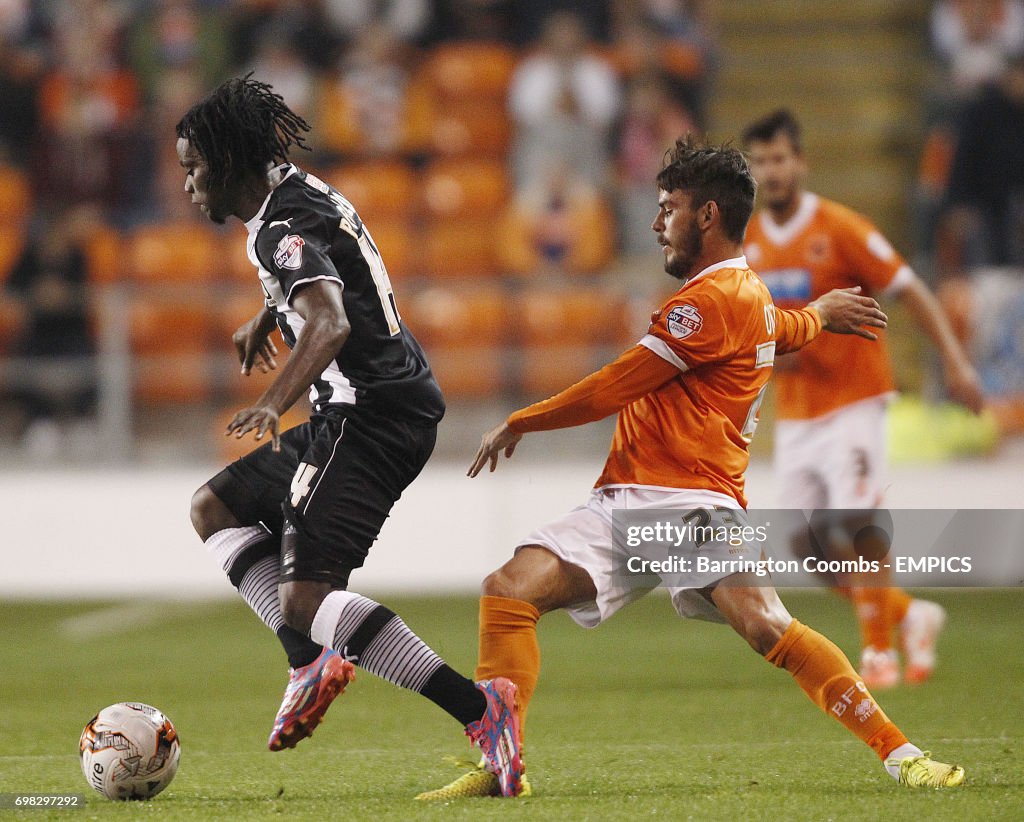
(445, 121)
(501, 152)
(970, 188)
(90, 90)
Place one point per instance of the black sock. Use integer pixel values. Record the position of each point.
(300, 648)
(455, 694)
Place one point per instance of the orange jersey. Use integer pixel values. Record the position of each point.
(688, 395)
(825, 246)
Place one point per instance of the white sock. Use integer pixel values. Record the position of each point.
(902, 752)
(259, 589)
(228, 545)
(375, 638)
(258, 583)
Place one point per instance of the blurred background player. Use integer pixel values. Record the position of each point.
(290, 521)
(830, 438)
(686, 398)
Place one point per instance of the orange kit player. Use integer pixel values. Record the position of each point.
(830, 440)
(686, 397)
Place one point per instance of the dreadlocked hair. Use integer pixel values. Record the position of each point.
(242, 127)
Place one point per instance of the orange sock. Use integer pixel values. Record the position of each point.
(872, 608)
(899, 602)
(508, 645)
(826, 676)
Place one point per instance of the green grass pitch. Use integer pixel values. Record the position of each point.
(647, 716)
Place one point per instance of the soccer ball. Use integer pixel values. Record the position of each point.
(129, 751)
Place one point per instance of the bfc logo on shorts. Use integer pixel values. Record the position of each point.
(684, 321)
(289, 252)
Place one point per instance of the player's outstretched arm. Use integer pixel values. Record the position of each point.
(847, 311)
(326, 328)
(634, 374)
(961, 379)
(253, 344)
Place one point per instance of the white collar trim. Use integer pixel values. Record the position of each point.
(786, 232)
(733, 262)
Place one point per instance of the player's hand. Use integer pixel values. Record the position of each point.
(254, 346)
(964, 387)
(494, 442)
(846, 311)
(263, 419)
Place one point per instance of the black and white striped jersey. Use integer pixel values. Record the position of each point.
(308, 231)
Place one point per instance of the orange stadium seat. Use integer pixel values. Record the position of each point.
(336, 121)
(397, 242)
(15, 195)
(471, 70)
(465, 187)
(473, 373)
(234, 262)
(471, 127)
(169, 341)
(464, 316)
(546, 371)
(237, 306)
(382, 188)
(461, 248)
(178, 379)
(105, 255)
(593, 316)
(566, 334)
(464, 332)
(175, 253)
(167, 326)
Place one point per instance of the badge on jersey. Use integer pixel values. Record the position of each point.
(684, 321)
(289, 252)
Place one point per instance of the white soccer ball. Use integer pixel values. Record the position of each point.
(129, 751)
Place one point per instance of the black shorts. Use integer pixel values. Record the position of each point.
(327, 492)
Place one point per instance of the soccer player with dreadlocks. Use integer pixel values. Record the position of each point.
(290, 521)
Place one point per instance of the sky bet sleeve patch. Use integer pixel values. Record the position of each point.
(684, 321)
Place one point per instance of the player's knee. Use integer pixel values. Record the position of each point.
(509, 584)
(209, 515)
(299, 604)
(295, 610)
(765, 628)
(499, 584)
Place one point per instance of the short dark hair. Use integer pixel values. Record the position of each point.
(718, 173)
(242, 127)
(771, 125)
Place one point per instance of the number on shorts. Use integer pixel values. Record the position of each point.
(300, 482)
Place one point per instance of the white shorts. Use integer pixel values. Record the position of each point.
(584, 537)
(835, 461)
